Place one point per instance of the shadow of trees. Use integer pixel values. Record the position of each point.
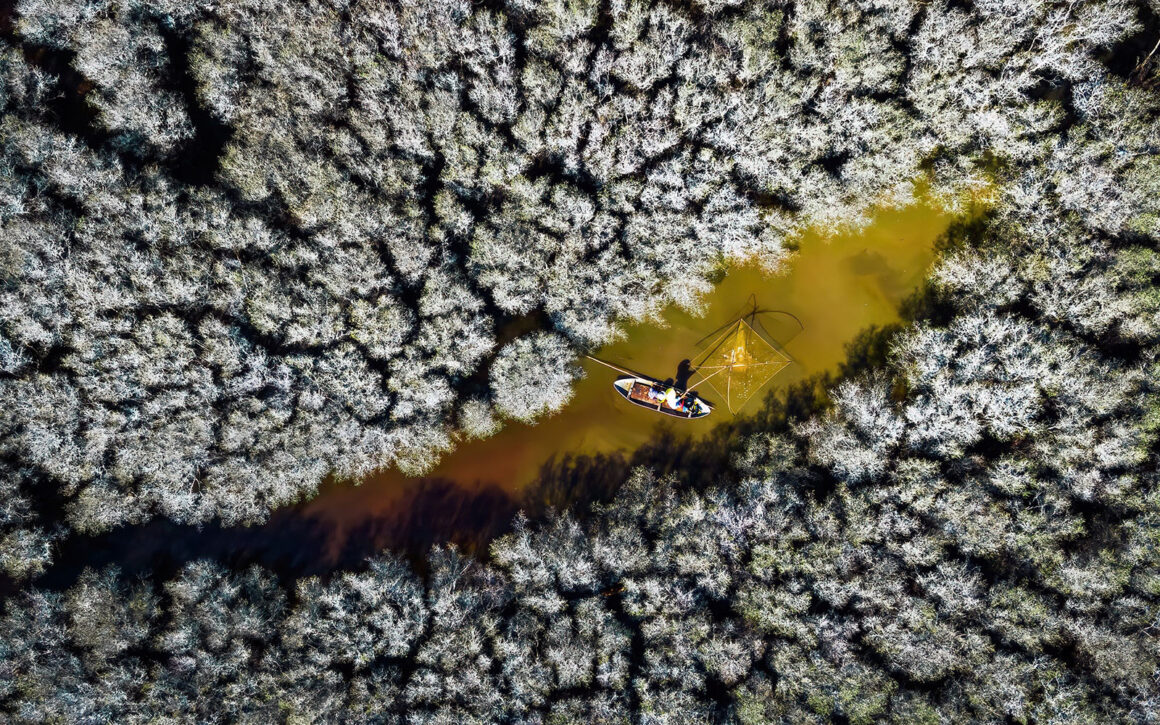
(292, 544)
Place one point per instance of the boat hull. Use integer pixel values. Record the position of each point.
(637, 391)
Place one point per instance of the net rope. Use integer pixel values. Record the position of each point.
(738, 363)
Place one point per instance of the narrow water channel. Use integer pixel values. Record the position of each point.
(836, 286)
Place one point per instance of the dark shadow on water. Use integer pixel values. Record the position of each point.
(870, 263)
(285, 545)
(684, 371)
(292, 545)
(576, 482)
(436, 511)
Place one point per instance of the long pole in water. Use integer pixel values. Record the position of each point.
(617, 368)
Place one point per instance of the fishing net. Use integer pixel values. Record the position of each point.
(738, 362)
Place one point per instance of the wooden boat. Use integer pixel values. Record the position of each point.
(648, 393)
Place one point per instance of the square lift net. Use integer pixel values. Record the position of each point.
(738, 363)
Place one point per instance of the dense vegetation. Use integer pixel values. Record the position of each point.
(246, 244)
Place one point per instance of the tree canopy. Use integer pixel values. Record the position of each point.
(247, 245)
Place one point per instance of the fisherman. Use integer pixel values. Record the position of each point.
(689, 402)
(671, 397)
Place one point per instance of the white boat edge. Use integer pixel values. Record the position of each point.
(624, 385)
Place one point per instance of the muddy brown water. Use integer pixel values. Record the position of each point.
(834, 287)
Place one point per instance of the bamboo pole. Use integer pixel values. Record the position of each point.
(618, 369)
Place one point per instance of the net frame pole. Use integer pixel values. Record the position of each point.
(742, 331)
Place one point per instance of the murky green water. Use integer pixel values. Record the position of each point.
(836, 286)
